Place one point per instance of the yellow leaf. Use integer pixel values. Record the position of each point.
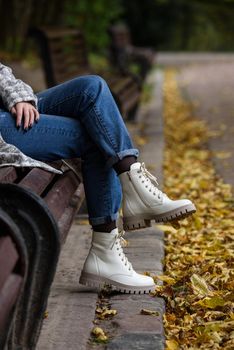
(140, 141)
(215, 337)
(197, 222)
(105, 313)
(211, 302)
(175, 224)
(82, 222)
(172, 345)
(166, 228)
(167, 279)
(199, 285)
(99, 334)
(149, 312)
(124, 242)
(222, 155)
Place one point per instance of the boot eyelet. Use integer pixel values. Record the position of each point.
(140, 177)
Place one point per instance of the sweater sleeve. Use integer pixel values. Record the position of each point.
(14, 90)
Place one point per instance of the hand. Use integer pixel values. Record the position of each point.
(26, 111)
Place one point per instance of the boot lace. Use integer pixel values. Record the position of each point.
(119, 241)
(150, 181)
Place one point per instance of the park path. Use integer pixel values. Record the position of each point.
(207, 80)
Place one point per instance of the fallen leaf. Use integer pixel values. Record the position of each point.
(199, 285)
(198, 254)
(103, 313)
(169, 280)
(166, 228)
(149, 312)
(172, 345)
(99, 334)
(211, 302)
(222, 155)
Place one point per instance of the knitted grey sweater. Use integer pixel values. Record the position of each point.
(12, 91)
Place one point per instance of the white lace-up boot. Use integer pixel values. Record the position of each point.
(106, 263)
(143, 201)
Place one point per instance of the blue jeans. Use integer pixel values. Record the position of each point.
(79, 118)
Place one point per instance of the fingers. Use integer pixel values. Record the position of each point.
(37, 115)
(32, 118)
(27, 112)
(13, 110)
(19, 114)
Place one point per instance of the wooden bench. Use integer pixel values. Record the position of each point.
(123, 53)
(36, 211)
(64, 56)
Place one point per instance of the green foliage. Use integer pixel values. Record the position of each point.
(163, 24)
(93, 18)
(181, 24)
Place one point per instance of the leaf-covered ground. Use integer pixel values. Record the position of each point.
(198, 281)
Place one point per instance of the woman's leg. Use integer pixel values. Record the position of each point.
(56, 137)
(89, 99)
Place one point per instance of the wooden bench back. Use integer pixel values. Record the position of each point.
(64, 56)
(120, 36)
(63, 53)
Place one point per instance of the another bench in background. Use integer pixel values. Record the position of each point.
(64, 56)
(123, 53)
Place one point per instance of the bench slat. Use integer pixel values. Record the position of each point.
(8, 174)
(37, 180)
(66, 219)
(8, 258)
(8, 298)
(59, 196)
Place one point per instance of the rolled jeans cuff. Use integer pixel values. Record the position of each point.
(120, 155)
(103, 219)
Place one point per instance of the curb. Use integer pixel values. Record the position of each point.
(130, 329)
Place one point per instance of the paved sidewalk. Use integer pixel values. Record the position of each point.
(207, 80)
(71, 307)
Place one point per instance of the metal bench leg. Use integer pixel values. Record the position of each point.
(40, 233)
(9, 228)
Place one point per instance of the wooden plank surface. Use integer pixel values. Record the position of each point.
(8, 258)
(37, 180)
(8, 297)
(8, 174)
